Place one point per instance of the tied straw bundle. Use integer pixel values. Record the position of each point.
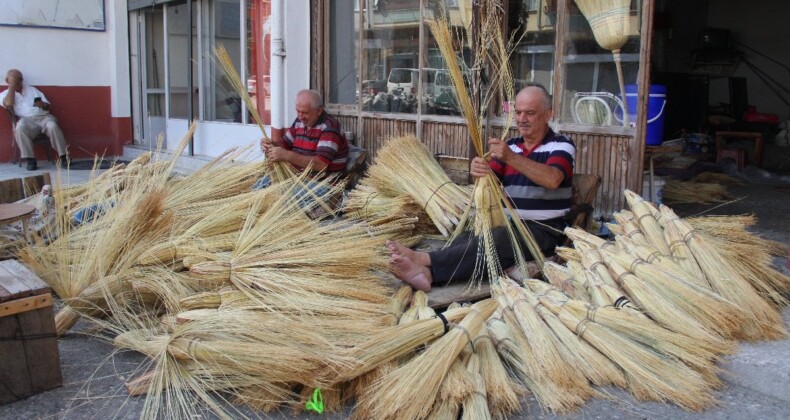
(417, 383)
(405, 167)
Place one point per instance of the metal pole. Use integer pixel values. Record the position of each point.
(190, 87)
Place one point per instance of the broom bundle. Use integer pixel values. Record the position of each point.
(762, 321)
(651, 376)
(543, 345)
(409, 391)
(501, 394)
(405, 167)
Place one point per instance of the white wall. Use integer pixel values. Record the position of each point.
(63, 57)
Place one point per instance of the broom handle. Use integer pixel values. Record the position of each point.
(621, 81)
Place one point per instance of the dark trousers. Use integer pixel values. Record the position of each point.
(458, 261)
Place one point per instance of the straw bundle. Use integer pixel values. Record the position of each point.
(694, 192)
(671, 308)
(475, 405)
(404, 166)
(543, 344)
(500, 392)
(647, 223)
(409, 391)
(650, 376)
(763, 320)
(593, 365)
(717, 178)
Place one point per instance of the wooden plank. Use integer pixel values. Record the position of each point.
(20, 281)
(13, 369)
(11, 190)
(41, 349)
(16, 288)
(26, 304)
(441, 297)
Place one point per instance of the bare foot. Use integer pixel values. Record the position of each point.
(419, 258)
(418, 276)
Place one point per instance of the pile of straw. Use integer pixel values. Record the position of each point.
(694, 192)
(405, 177)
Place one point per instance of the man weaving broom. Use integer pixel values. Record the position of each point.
(535, 170)
(314, 140)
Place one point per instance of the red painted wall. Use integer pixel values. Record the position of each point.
(85, 115)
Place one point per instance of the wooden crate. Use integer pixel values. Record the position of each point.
(29, 358)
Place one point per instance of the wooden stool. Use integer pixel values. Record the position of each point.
(738, 155)
(29, 358)
(759, 142)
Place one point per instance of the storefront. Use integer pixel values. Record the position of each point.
(380, 69)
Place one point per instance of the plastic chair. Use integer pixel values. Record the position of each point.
(596, 108)
(41, 139)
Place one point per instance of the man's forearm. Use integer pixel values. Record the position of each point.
(303, 161)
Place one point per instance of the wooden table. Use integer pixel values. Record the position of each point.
(15, 212)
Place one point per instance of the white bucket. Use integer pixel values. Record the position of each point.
(658, 187)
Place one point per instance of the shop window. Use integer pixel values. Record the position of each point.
(592, 93)
(179, 57)
(222, 26)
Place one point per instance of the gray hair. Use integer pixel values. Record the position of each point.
(313, 96)
(544, 93)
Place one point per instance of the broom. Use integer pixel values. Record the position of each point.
(609, 21)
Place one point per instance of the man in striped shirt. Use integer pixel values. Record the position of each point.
(536, 170)
(314, 139)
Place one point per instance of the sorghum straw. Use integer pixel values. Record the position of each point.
(650, 375)
(409, 391)
(501, 395)
(278, 171)
(543, 344)
(405, 166)
(694, 192)
(475, 405)
(763, 321)
(675, 309)
(647, 223)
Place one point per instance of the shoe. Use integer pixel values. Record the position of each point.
(64, 161)
(32, 165)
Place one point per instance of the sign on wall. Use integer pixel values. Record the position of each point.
(64, 14)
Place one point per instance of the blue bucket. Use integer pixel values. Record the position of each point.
(656, 103)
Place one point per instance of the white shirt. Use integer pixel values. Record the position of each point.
(23, 102)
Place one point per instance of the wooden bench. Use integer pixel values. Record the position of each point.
(29, 358)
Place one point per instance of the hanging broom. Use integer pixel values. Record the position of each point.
(609, 21)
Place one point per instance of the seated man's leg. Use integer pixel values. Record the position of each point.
(24, 133)
(52, 129)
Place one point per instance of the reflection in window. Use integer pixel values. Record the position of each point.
(221, 26)
(179, 58)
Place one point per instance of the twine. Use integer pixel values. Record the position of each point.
(434, 193)
(444, 321)
(581, 327)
